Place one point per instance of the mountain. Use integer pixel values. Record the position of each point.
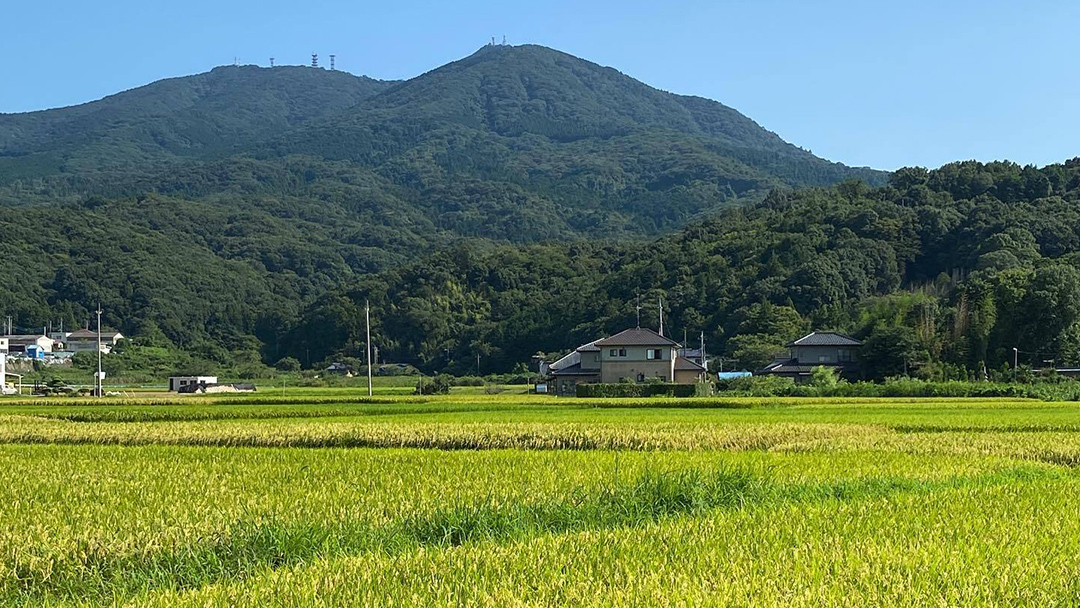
(169, 202)
(178, 118)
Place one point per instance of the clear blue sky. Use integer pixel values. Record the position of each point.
(865, 83)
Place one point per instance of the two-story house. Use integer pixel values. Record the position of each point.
(637, 355)
(819, 348)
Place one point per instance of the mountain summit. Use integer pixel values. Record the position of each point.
(514, 142)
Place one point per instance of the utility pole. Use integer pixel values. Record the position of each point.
(367, 319)
(477, 363)
(661, 316)
(704, 361)
(100, 393)
(1016, 362)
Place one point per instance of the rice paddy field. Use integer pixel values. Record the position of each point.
(327, 498)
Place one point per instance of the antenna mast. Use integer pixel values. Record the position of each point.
(332, 62)
(271, 62)
(314, 60)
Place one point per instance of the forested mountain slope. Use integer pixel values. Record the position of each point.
(945, 271)
(179, 118)
(221, 205)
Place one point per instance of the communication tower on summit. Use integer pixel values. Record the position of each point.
(314, 60)
(271, 62)
(332, 62)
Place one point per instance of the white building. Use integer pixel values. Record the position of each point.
(19, 343)
(176, 382)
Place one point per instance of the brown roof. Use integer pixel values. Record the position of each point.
(684, 364)
(16, 338)
(636, 337)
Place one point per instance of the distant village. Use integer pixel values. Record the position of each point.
(641, 355)
(635, 355)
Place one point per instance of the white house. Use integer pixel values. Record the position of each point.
(177, 382)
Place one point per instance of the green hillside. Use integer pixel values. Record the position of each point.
(179, 118)
(217, 207)
(942, 272)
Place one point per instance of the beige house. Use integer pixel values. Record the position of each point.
(635, 355)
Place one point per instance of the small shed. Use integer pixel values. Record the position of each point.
(178, 382)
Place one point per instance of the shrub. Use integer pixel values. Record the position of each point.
(287, 364)
(649, 389)
(824, 377)
(757, 386)
(439, 385)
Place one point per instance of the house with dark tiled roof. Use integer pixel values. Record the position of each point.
(816, 349)
(636, 355)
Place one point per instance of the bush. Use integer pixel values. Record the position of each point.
(439, 385)
(465, 380)
(757, 386)
(650, 389)
(824, 377)
(774, 386)
(287, 364)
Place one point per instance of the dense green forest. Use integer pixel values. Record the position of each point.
(209, 212)
(942, 271)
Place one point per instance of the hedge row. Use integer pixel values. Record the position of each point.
(652, 389)
(772, 386)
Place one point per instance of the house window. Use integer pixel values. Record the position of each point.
(596, 357)
(654, 353)
(843, 355)
(622, 352)
(641, 377)
(824, 359)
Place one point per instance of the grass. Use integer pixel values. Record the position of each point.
(525, 500)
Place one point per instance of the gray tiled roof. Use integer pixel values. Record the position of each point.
(684, 364)
(575, 370)
(637, 336)
(793, 366)
(825, 338)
